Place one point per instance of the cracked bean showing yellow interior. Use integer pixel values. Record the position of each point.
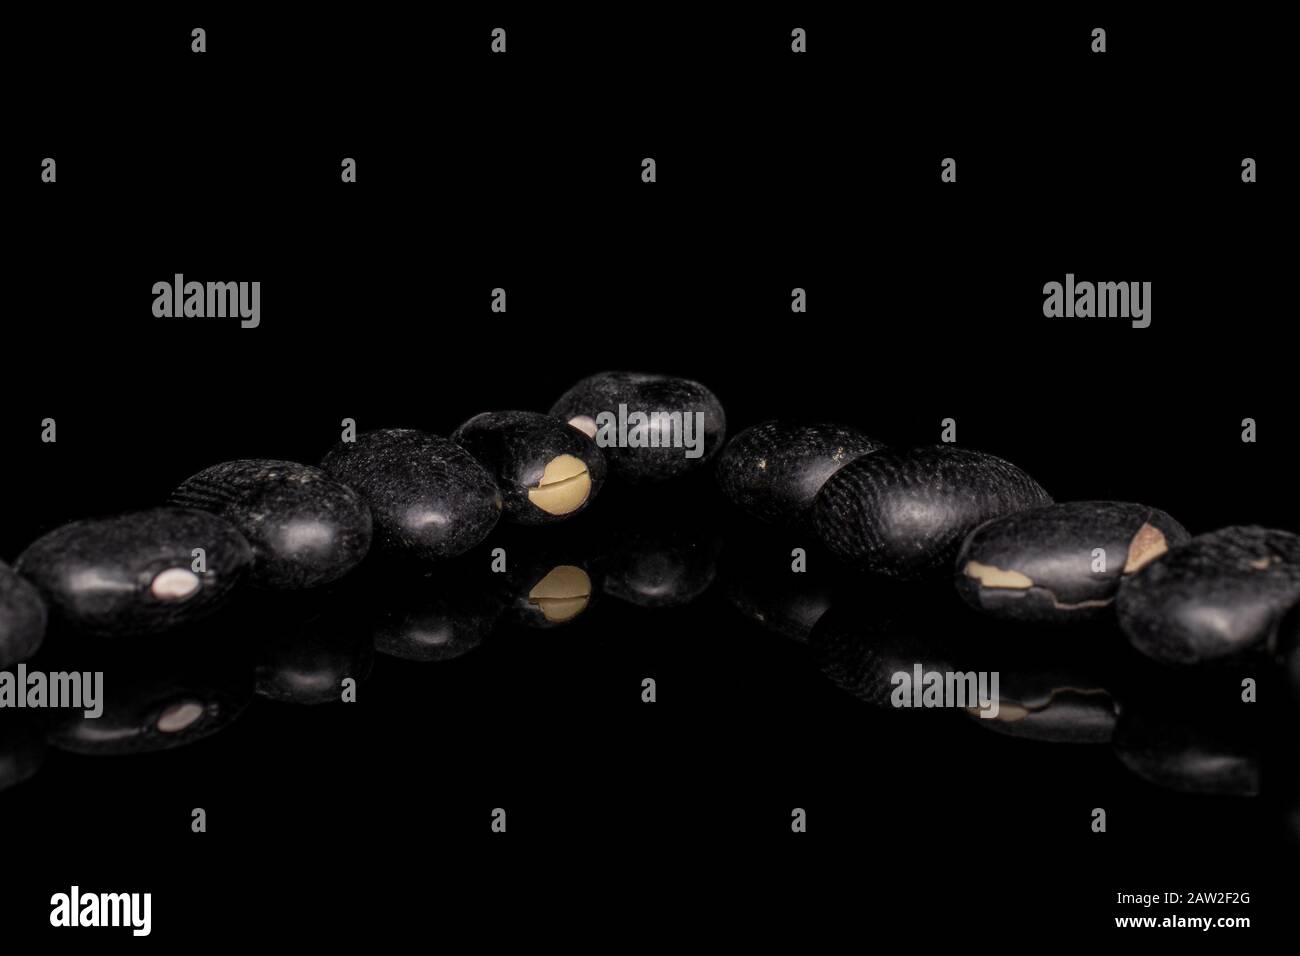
(563, 594)
(1062, 562)
(547, 470)
(992, 577)
(1147, 545)
(564, 487)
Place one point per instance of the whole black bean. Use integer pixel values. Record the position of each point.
(547, 471)
(1216, 595)
(427, 495)
(773, 471)
(138, 573)
(22, 617)
(1043, 565)
(658, 448)
(904, 513)
(305, 528)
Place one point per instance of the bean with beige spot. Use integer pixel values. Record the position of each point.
(137, 573)
(1061, 562)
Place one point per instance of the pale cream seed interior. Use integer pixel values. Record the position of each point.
(563, 594)
(1147, 545)
(564, 487)
(993, 577)
(585, 424)
(174, 584)
(179, 716)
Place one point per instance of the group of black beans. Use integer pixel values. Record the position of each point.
(910, 514)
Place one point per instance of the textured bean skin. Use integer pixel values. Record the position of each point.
(604, 392)
(904, 513)
(1219, 594)
(428, 496)
(515, 448)
(774, 470)
(22, 617)
(1053, 547)
(305, 528)
(96, 575)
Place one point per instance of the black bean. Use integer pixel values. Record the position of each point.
(865, 638)
(655, 548)
(1040, 564)
(305, 528)
(594, 403)
(433, 616)
(1059, 715)
(1193, 747)
(1049, 691)
(137, 573)
(1216, 595)
(904, 513)
(22, 617)
(428, 496)
(158, 696)
(773, 471)
(310, 648)
(547, 471)
(668, 569)
(436, 626)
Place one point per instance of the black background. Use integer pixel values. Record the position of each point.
(523, 171)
